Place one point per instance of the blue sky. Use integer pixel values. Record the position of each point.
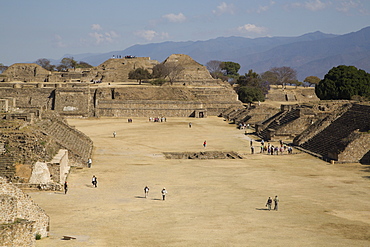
(33, 29)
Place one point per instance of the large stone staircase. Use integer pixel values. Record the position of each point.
(333, 139)
(277, 121)
(77, 143)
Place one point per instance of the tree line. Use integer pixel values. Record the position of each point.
(341, 82)
(253, 86)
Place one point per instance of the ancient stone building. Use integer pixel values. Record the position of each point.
(343, 136)
(25, 72)
(194, 93)
(117, 69)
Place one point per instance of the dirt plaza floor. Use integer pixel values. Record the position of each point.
(213, 202)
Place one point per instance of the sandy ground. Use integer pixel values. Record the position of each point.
(209, 202)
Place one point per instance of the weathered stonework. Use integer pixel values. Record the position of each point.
(20, 218)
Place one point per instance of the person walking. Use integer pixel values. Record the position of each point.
(164, 192)
(146, 191)
(204, 143)
(268, 203)
(94, 181)
(190, 124)
(114, 134)
(276, 203)
(89, 162)
(65, 187)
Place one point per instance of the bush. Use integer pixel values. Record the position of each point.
(38, 236)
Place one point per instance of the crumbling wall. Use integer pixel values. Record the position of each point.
(19, 233)
(17, 205)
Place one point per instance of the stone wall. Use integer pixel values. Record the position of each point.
(340, 134)
(17, 205)
(77, 143)
(73, 101)
(83, 101)
(19, 233)
(147, 108)
(357, 148)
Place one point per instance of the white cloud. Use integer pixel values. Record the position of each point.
(151, 34)
(96, 27)
(109, 36)
(175, 18)
(265, 7)
(99, 38)
(102, 37)
(251, 28)
(313, 5)
(347, 5)
(58, 41)
(224, 8)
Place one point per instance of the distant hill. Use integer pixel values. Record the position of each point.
(310, 54)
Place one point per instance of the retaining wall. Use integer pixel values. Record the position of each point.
(17, 205)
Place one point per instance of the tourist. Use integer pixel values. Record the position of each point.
(65, 187)
(276, 202)
(268, 204)
(190, 125)
(164, 192)
(89, 162)
(94, 181)
(146, 191)
(114, 134)
(204, 143)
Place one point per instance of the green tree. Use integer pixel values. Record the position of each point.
(46, 64)
(250, 94)
(344, 82)
(252, 79)
(67, 63)
(230, 69)
(296, 83)
(312, 80)
(139, 74)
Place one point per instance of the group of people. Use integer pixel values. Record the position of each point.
(163, 192)
(269, 203)
(243, 126)
(271, 149)
(157, 119)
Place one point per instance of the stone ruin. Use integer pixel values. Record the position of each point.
(112, 70)
(20, 218)
(331, 130)
(203, 155)
(194, 94)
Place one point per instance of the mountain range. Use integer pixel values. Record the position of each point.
(310, 54)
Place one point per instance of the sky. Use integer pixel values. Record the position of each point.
(33, 29)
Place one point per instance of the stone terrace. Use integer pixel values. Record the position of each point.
(79, 145)
(334, 138)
